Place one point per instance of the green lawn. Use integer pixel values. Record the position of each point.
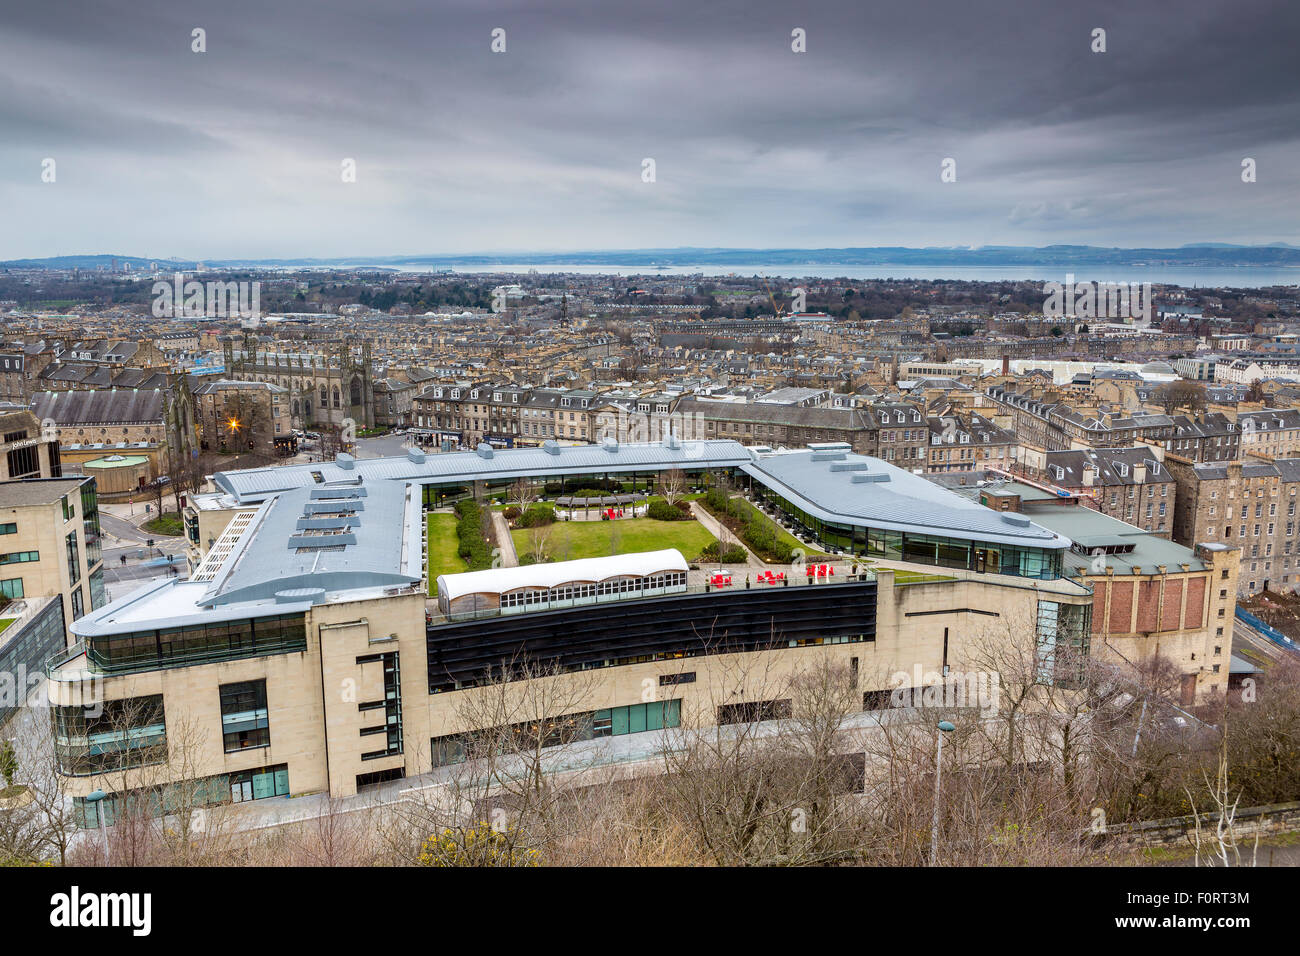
(443, 559)
(168, 523)
(5, 622)
(905, 576)
(570, 540)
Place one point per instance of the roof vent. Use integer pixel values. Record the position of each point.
(484, 450)
(345, 461)
(862, 478)
(610, 445)
(849, 466)
(551, 447)
(1020, 521)
(300, 596)
(672, 441)
(416, 456)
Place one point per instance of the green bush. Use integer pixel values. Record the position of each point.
(536, 516)
(663, 511)
(732, 555)
(511, 513)
(471, 532)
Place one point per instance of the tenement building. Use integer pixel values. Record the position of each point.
(1249, 505)
(310, 652)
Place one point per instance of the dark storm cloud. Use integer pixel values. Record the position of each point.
(236, 151)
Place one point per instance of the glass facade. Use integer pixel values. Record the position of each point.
(25, 651)
(1063, 642)
(223, 788)
(244, 722)
(74, 557)
(130, 732)
(198, 643)
(97, 596)
(571, 728)
(936, 550)
(90, 523)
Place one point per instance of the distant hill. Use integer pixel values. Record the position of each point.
(1209, 254)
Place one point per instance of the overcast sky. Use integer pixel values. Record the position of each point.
(237, 152)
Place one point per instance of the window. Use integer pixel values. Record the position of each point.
(74, 558)
(391, 728)
(754, 711)
(244, 723)
(130, 732)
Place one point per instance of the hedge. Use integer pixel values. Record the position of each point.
(663, 511)
(471, 531)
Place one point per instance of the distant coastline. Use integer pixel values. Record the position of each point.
(1209, 265)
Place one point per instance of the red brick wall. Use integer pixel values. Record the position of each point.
(1148, 605)
(1173, 605)
(1121, 606)
(1195, 602)
(1098, 605)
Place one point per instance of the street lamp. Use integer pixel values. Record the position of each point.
(97, 798)
(945, 727)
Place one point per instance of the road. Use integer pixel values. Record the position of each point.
(120, 528)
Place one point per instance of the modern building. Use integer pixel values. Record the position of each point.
(304, 654)
(50, 542)
(26, 449)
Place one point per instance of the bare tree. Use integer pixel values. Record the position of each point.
(671, 485)
(1222, 848)
(539, 542)
(521, 494)
(1181, 393)
(508, 800)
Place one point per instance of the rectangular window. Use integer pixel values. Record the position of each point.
(74, 558)
(754, 711)
(392, 706)
(130, 732)
(244, 723)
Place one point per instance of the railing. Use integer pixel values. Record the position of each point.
(21, 610)
(55, 661)
(1270, 632)
(791, 580)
